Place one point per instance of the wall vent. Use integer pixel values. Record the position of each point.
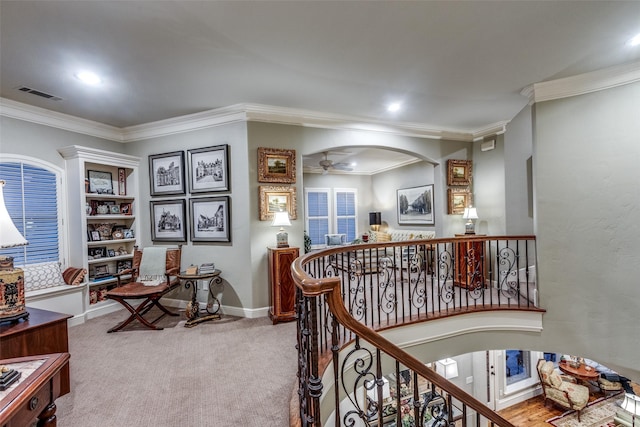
(39, 93)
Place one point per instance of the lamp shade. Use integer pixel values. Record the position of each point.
(372, 390)
(470, 213)
(281, 219)
(375, 218)
(631, 403)
(448, 368)
(9, 234)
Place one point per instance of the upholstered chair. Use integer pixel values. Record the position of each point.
(564, 393)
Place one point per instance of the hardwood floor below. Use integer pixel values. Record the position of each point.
(533, 412)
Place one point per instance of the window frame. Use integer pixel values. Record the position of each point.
(332, 194)
(63, 232)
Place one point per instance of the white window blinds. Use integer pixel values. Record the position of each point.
(31, 197)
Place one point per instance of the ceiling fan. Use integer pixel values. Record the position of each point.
(327, 164)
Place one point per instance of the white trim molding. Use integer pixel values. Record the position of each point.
(240, 113)
(583, 83)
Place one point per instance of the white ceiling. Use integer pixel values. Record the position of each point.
(457, 65)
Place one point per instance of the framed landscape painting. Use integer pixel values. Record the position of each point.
(459, 172)
(415, 206)
(209, 169)
(458, 200)
(210, 219)
(276, 199)
(166, 173)
(276, 165)
(168, 221)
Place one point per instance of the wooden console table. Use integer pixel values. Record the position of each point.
(44, 332)
(33, 395)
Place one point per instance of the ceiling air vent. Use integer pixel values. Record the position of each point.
(39, 93)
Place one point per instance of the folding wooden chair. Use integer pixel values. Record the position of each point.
(135, 289)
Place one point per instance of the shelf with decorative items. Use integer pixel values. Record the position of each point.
(104, 187)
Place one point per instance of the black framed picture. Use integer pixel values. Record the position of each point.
(209, 169)
(123, 264)
(96, 252)
(166, 173)
(210, 220)
(168, 221)
(415, 205)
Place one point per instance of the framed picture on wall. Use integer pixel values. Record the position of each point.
(209, 169)
(276, 165)
(458, 200)
(275, 199)
(210, 221)
(168, 221)
(166, 173)
(415, 205)
(459, 172)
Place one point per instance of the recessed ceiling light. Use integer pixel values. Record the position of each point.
(635, 41)
(394, 107)
(89, 78)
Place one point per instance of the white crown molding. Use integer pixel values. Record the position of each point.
(238, 113)
(188, 123)
(583, 83)
(98, 156)
(42, 116)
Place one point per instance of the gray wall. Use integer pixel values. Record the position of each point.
(586, 175)
(518, 148)
(231, 258)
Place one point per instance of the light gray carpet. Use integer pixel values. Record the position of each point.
(229, 372)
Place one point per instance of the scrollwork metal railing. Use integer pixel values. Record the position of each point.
(345, 294)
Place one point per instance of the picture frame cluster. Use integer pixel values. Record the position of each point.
(209, 217)
(459, 177)
(277, 166)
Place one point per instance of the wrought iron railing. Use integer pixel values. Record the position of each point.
(348, 293)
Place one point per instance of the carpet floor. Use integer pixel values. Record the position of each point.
(228, 372)
(597, 414)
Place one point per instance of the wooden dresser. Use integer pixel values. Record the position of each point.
(281, 286)
(44, 332)
(469, 262)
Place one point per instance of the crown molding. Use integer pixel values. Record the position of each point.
(239, 113)
(42, 116)
(188, 123)
(583, 83)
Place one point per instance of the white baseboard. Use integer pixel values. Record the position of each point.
(250, 313)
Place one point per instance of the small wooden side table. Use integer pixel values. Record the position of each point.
(469, 262)
(213, 304)
(33, 395)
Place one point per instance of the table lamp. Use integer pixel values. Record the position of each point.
(12, 305)
(448, 368)
(375, 219)
(281, 219)
(470, 214)
(631, 403)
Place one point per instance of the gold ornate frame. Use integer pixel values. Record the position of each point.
(276, 198)
(458, 200)
(276, 165)
(459, 172)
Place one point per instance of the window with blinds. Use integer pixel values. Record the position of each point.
(31, 198)
(330, 211)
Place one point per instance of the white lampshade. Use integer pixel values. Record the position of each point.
(448, 368)
(9, 234)
(281, 219)
(631, 403)
(470, 213)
